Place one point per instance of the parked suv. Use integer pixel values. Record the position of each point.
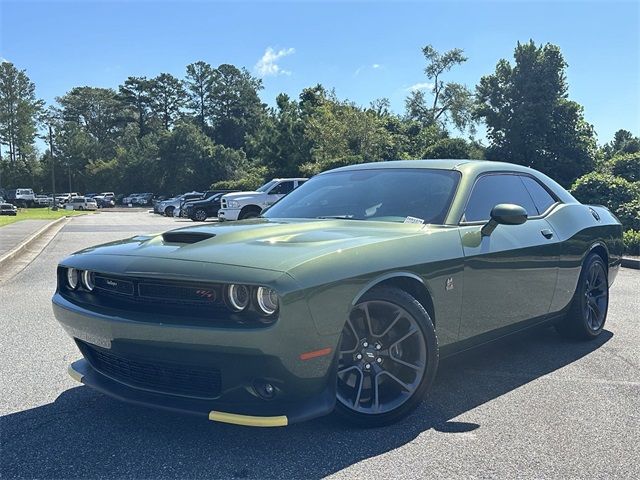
(200, 210)
(241, 205)
(8, 209)
(167, 207)
(82, 203)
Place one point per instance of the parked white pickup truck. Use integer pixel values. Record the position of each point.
(241, 205)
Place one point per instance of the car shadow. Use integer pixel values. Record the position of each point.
(86, 434)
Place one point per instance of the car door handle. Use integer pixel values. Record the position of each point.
(546, 233)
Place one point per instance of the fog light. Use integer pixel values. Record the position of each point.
(87, 280)
(267, 300)
(264, 389)
(238, 296)
(72, 278)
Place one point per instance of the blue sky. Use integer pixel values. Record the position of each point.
(365, 50)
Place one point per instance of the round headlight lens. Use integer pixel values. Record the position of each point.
(267, 300)
(238, 296)
(72, 278)
(87, 280)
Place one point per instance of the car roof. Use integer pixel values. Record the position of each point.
(461, 164)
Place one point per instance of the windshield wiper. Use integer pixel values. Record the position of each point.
(340, 217)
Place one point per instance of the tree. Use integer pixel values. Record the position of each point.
(97, 111)
(280, 143)
(623, 142)
(453, 148)
(234, 106)
(19, 110)
(530, 120)
(168, 97)
(199, 84)
(136, 93)
(451, 102)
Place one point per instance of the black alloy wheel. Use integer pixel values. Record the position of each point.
(387, 360)
(588, 312)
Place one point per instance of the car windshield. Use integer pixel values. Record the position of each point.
(383, 194)
(267, 186)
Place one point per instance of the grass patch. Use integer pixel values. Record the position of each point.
(38, 214)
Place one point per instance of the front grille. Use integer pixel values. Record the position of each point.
(166, 301)
(144, 291)
(175, 379)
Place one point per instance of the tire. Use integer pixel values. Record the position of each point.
(387, 358)
(168, 212)
(587, 314)
(249, 213)
(200, 215)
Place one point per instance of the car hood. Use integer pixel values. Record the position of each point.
(241, 195)
(268, 244)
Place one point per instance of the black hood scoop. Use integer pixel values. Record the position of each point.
(177, 236)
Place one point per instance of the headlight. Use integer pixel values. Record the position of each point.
(233, 204)
(267, 300)
(238, 296)
(87, 280)
(72, 278)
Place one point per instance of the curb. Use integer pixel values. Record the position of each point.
(25, 244)
(631, 263)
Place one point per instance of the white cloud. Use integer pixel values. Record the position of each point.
(420, 86)
(373, 66)
(268, 64)
(4, 60)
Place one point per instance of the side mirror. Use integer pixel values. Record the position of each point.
(504, 214)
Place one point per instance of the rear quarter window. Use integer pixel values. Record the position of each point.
(541, 197)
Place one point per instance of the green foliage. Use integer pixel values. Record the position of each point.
(626, 166)
(529, 119)
(19, 111)
(453, 148)
(450, 103)
(631, 239)
(623, 142)
(604, 189)
(253, 176)
(629, 214)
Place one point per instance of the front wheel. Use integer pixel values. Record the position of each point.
(388, 358)
(588, 311)
(168, 212)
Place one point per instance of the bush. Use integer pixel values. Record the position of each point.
(454, 148)
(631, 240)
(248, 178)
(605, 189)
(626, 166)
(629, 214)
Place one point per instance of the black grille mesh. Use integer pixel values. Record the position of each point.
(163, 377)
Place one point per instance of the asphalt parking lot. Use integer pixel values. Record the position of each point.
(537, 406)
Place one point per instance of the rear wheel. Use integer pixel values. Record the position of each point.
(200, 215)
(168, 212)
(387, 360)
(588, 312)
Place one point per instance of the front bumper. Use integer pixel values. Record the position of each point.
(228, 214)
(245, 358)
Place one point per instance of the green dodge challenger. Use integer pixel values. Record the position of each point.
(342, 296)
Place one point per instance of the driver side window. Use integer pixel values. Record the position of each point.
(490, 190)
(282, 188)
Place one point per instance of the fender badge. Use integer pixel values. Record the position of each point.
(449, 284)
